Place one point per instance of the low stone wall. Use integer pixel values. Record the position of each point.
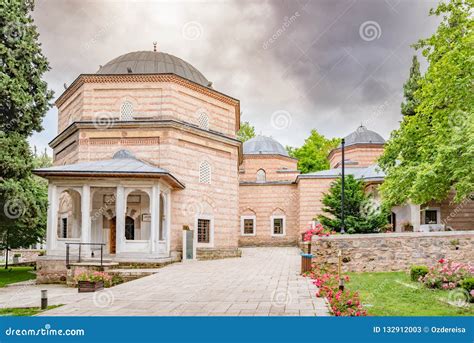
(214, 254)
(50, 270)
(393, 251)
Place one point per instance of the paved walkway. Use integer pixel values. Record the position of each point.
(264, 282)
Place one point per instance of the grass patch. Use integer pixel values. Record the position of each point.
(23, 311)
(15, 274)
(394, 294)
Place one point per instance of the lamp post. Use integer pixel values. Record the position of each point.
(342, 188)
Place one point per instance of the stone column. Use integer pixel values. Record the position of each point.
(415, 217)
(52, 229)
(86, 219)
(120, 203)
(155, 217)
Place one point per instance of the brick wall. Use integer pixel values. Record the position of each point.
(364, 154)
(276, 167)
(263, 201)
(393, 251)
(310, 196)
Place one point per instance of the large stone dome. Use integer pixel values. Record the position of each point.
(263, 145)
(153, 62)
(363, 136)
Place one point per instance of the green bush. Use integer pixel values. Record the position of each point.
(468, 285)
(418, 271)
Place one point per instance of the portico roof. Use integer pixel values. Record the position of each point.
(372, 173)
(123, 164)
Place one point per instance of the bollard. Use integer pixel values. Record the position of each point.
(44, 299)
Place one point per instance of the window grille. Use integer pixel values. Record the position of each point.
(204, 230)
(126, 111)
(205, 172)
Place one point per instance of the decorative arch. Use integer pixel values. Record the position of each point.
(261, 176)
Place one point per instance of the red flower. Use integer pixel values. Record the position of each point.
(441, 261)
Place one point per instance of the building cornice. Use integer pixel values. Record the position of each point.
(263, 156)
(168, 123)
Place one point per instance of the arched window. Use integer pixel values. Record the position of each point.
(205, 172)
(126, 111)
(261, 175)
(203, 121)
(129, 228)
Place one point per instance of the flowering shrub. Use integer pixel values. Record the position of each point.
(318, 230)
(93, 276)
(342, 303)
(447, 274)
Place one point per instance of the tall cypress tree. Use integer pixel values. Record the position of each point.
(24, 101)
(409, 88)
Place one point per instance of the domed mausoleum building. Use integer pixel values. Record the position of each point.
(148, 169)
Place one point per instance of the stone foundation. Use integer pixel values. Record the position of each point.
(213, 254)
(393, 251)
(50, 270)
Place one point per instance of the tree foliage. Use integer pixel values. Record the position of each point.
(433, 150)
(24, 100)
(410, 87)
(312, 155)
(361, 213)
(25, 97)
(246, 132)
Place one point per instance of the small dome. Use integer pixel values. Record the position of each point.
(265, 146)
(363, 136)
(123, 154)
(153, 62)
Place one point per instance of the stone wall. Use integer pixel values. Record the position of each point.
(364, 154)
(393, 251)
(262, 201)
(50, 270)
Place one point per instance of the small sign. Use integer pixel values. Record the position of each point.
(146, 217)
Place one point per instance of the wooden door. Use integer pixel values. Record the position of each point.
(112, 236)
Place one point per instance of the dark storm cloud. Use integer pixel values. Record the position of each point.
(305, 64)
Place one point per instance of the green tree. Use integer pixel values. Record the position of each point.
(246, 132)
(361, 214)
(313, 154)
(410, 87)
(432, 151)
(24, 100)
(25, 97)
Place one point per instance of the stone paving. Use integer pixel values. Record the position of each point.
(263, 282)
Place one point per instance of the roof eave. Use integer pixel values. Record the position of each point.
(97, 174)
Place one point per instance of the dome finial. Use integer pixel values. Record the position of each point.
(154, 46)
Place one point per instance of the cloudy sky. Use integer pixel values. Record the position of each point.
(328, 65)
